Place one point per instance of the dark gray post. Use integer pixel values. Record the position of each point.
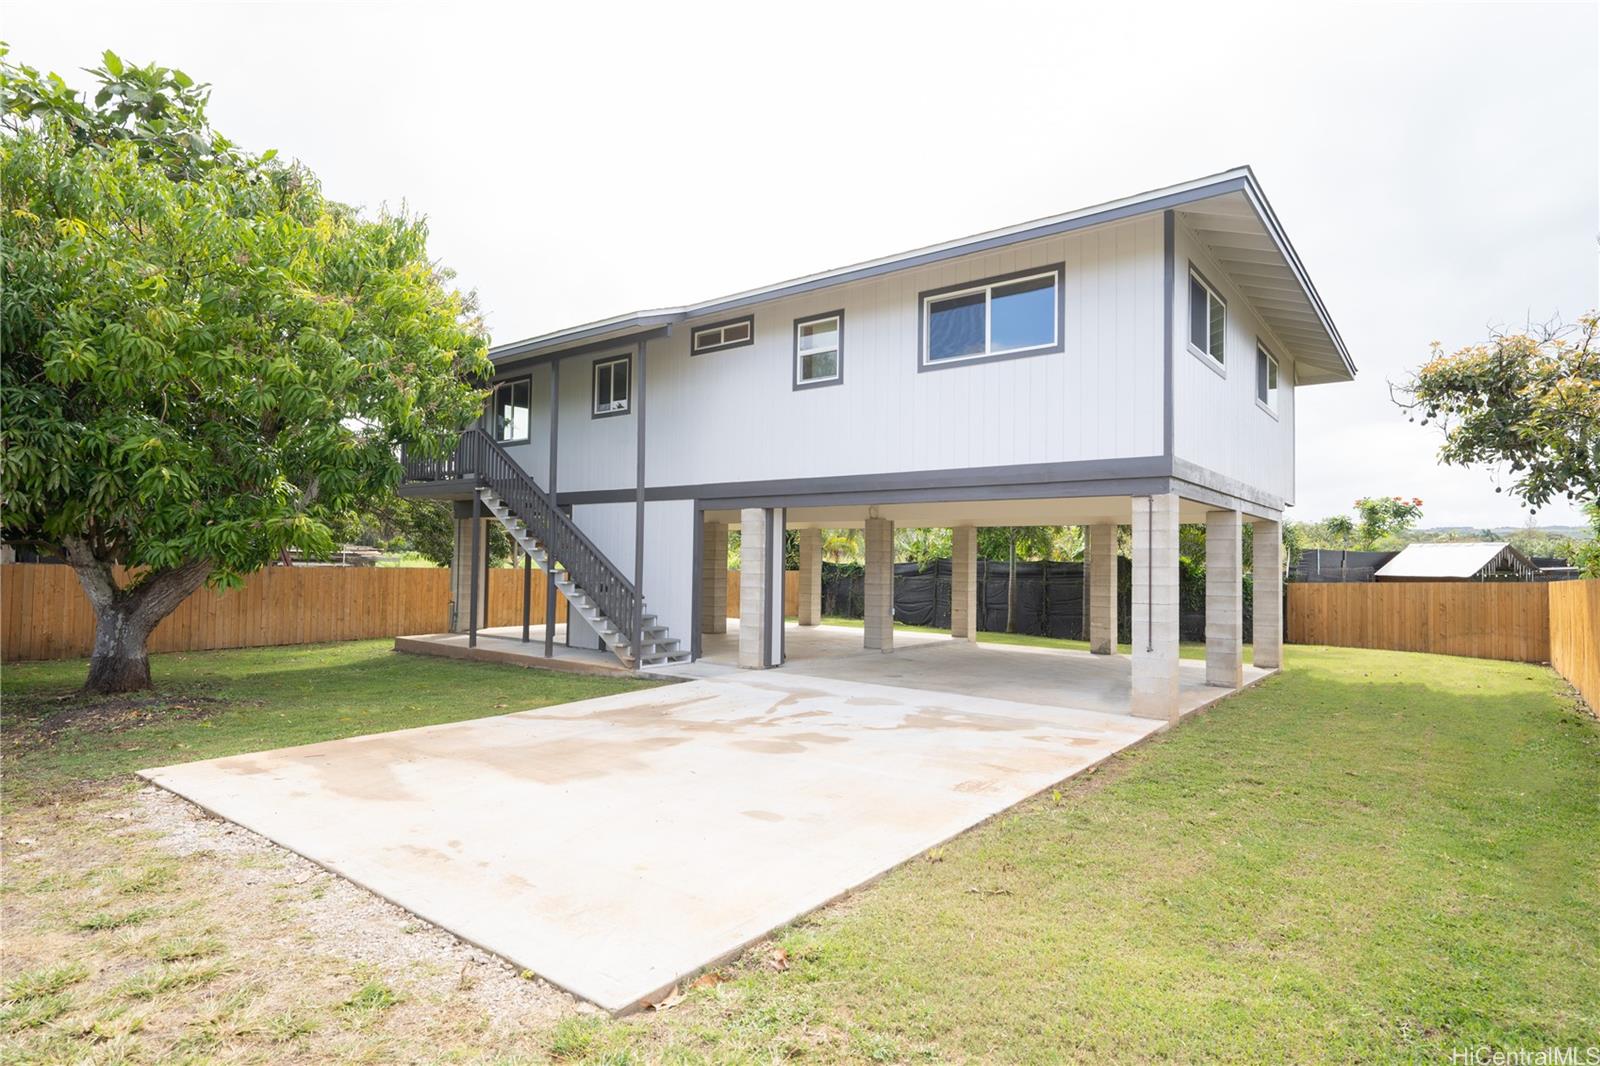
(638, 513)
(472, 565)
(549, 560)
(527, 594)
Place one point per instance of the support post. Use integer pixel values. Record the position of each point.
(1155, 606)
(549, 560)
(464, 563)
(809, 609)
(964, 583)
(878, 628)
(714, 578)
(1266, 556)
(638, 509)
(754, 585)
(1101, 552)
(527, 594)
(1224, 599)
(473, 566)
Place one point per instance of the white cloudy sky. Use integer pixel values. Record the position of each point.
(1436, 165)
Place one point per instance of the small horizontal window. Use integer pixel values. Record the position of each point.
(1266, 378)
(611, 386)
(508, 411)
(1001, 317)
(818, 349)
(1208, 318)
(720, 335)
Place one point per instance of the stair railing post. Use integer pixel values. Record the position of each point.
(472, 565)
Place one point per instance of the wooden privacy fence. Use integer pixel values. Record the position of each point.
(791, 593)
(1485, 620)
(1575, 635)
(45, 615)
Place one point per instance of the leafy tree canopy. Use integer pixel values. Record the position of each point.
(1529, 401)
(204, 356)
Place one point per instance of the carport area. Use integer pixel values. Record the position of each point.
(615, 846)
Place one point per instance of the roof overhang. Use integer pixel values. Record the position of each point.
(1228, 212)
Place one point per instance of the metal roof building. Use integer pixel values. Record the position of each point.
(1492, 561)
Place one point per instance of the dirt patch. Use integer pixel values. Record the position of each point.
(44, 718)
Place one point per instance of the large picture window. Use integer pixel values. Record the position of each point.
(1014, 315)
(819, 350)
(612, 386)
(1208, 318)
(508, 411)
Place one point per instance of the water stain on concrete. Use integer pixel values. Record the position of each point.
(763, 816)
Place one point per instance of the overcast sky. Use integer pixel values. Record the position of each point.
(1436, 165)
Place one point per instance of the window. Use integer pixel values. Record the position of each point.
(508, 411)
(720, 335)
(988, 319)
(1208, 318)
(818, 350)
(612, 380)
(1266, 379)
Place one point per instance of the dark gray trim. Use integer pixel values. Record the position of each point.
(1060, 271)
(627, 340)
(594, 381)
(458, 491)
(488, 415)
(1188, 341)
(783, 583)
(637, 386)
(1169, 273)
(472, 570)
(565, 343)
(697, 594)
(748, 319)
(527, 596)
(794, 357)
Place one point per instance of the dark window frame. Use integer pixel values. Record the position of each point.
(489, 415)
(694, 334)
(625, 358)
(1059, 270)
(1220, 365)
(838, 377)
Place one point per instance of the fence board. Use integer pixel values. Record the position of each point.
(1575, 635)
(791, 593)
(45, 615)
(1486, 620)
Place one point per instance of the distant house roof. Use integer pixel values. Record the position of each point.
(1454, 562)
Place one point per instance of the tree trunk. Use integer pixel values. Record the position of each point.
(124, 617)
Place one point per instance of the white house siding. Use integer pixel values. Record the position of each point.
(1216, 423)
(534, 454)
(733, 415)
(668, 553)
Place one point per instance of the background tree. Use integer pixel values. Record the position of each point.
(1385, 516)
(1529, 400)
(1009, 543)
(843, 545)
(204, 356)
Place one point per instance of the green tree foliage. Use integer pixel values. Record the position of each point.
(1586, 556)
(1385, 516)
(204, 356)
(1529, 401)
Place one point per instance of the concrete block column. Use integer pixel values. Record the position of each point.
(810, 606)
(461, 564)
(964, 583)
(755, 609)
(1155, 606)
(1101, 552)
(879, 592)
(1267, 606)
(1224, 599)
(714, 578)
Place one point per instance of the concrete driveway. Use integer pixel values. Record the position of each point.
(615, 845)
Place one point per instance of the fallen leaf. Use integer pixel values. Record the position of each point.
(667, 1002)
(778, 959)
(709, 979)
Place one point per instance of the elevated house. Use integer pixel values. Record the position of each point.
(1134, 363)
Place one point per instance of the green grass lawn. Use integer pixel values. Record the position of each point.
(1185, 651)
(1373, 856)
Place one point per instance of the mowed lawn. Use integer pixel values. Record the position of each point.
(1373, 856)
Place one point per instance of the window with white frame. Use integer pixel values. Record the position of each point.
(718, 336)
(612, 386)
(1208, 318)
(818, 349)
(1266, 379)
(508, 411)
(1002, 316)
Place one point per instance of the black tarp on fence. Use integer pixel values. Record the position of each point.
(1049, 598)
